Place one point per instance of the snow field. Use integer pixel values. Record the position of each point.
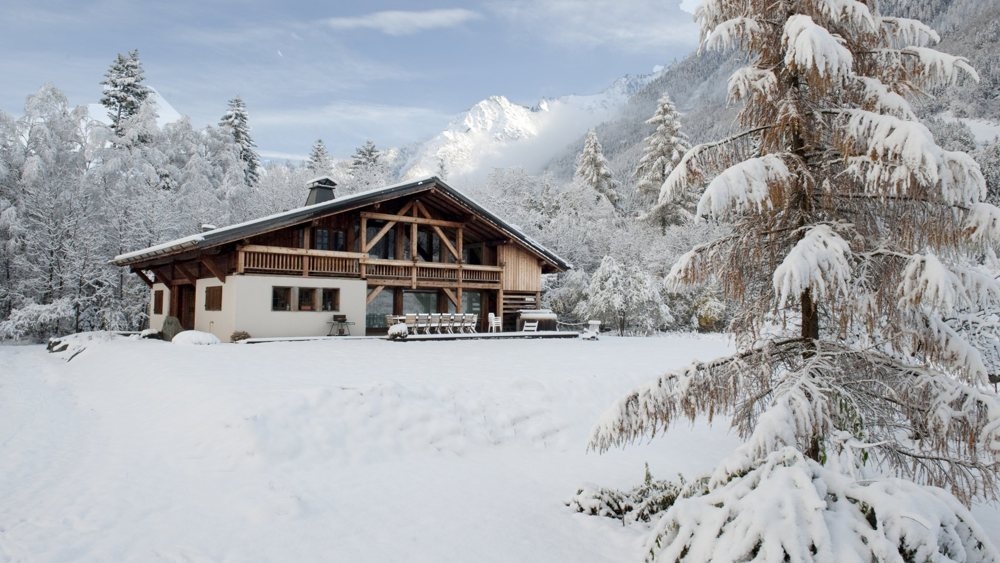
(353, 450)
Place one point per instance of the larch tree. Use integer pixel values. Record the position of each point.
(664, 149)
(592, 170)
(237, 122)
(319, 159)
(124, 91)
(865, 409)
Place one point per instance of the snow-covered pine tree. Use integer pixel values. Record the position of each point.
(664, 149)
(319, 159)
(124, 90)
(367, 168)
(848, 255)
(238, 123)
(592, 170)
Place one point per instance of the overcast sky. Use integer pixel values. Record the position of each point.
(393, 72)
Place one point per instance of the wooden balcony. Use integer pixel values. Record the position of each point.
(274, 260)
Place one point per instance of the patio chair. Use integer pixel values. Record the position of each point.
(411, 323)
(469, 323)
(495, 323)
(434, 322)
(424, 322)
(530, 326)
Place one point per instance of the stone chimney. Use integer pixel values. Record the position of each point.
(320, 190)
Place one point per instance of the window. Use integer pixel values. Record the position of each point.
(213, 298)
(331, 299)
(281, 299)
(299, 238)
(307, 299)
(158, 302)
(339, 240)
(321, 239)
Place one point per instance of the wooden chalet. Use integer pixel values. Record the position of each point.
(416, 247)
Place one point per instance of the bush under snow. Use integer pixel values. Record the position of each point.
(195, 337)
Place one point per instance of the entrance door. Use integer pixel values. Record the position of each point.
(185, 306)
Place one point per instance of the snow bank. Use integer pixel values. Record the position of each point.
(195, 338)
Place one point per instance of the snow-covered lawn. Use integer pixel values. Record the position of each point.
(342, 450)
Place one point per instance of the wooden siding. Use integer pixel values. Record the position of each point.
(521, 270)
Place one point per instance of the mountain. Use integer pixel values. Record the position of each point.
(497, 133)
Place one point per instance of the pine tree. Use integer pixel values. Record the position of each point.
(664, 149)
(851, 231)
(367, 168)
(319, 159)
(124, 91)
(236, 121)
(592, 170)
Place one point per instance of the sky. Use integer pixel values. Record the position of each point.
(391, 71)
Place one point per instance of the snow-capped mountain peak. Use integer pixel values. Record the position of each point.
(496, 132)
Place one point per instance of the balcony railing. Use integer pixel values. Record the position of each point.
(257, 259)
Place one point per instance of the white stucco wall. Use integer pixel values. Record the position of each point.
(220, 323)
(156, 321)
(252, 306)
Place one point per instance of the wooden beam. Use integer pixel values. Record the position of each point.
(446, 242)
(211, 267)
(371, 244)
(142, 276)
(417, 220)
(413, 242)
(374, 293)
(406, 208)
(422, 210)
(192, 277)
(452, 298)
(163, 277)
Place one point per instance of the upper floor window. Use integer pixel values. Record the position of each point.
(321, 239)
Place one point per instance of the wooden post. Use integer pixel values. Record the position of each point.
(397, 301)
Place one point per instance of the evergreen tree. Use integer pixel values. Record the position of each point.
(236, 121)
(319, 159)
(664, 149)
(367, 168)
(124, 91)
(592, 170)
(851, 230)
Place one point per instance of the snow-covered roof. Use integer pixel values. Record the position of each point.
(291, 217)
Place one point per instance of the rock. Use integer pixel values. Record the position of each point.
(171, 327)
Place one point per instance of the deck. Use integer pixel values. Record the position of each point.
(423, 337)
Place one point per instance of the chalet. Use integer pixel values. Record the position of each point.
(415, 247)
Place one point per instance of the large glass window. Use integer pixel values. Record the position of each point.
(321, 239)
(420, 302)
(331, 299)
(281, 299)
(307, 299)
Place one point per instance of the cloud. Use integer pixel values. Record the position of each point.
(635, 26)
(398, 22)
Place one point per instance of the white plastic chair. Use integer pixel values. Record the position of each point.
(495, 323)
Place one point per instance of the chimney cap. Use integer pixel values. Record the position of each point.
(321, 182)
(320, 190)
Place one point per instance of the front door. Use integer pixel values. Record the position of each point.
(184, 310)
